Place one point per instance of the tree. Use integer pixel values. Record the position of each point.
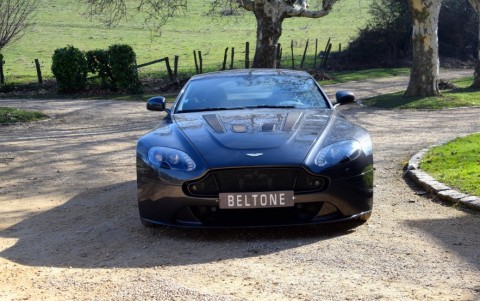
(15, 18)
(425, 62)
(476, 78)
(269, 14)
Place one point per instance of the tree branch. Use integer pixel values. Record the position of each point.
(15, 19)
(302, 11)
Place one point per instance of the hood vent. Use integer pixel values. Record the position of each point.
(268, 127)
(215, 123)
(239, 128)
(292, 120)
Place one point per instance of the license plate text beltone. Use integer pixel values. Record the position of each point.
(256, 200)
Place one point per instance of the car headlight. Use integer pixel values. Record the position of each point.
(340, 152)
(170, 158)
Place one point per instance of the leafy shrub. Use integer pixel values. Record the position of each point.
(97, 62)
(457, 30)
(69, 66)
(122, 63)
(386, 39)
(7, 88)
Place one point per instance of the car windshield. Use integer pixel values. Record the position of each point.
(251, 91)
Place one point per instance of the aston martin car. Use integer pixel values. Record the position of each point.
(257, 147)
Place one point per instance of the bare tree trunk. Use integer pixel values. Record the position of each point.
(425, 66)
(476, 77)
(269, 30)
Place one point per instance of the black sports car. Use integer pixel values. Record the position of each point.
(253, 148)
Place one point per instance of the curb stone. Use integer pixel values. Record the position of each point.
(431, 185)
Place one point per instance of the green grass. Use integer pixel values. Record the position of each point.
(60, 23)
(457, 164)
(343, 77)
(13, 115)
(463, 96)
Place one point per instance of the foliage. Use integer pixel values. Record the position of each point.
(457, 30)
(386, 39)
(97, 62)
(456, 163)
(463, 96)
(13, 115)
(69, 66)
(123, 66)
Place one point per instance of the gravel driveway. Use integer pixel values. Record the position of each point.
(69, 227)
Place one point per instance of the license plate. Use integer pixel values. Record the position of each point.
(249, 200)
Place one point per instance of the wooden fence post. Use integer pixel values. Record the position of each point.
(316, 54)
(225, 55)
(200, 59)
(2, 75)
(279, 53)
(247, 55)
(39, 71)
(293, 59)
(232, 57)
(169, 69)
(325, 58)
(328, 45)
(195, 58)
(304, 54)
(175, 66)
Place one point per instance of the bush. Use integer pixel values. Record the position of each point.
(69, 66)
(386, 40)
(97, 62)
(457, 30)
(122, 63)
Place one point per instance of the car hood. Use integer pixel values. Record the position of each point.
(253, 137)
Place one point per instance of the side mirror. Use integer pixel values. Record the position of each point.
(156, 103)
(344, 97)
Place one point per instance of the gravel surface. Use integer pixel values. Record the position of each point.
(69, 227)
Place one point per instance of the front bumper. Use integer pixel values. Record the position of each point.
(165, 203)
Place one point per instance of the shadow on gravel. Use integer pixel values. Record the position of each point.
(458, 235)
(101, 229)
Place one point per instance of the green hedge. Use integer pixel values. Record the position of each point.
(116, 67)
(122, 63)
(69, 66)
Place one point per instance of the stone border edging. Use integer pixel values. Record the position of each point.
(443, 191)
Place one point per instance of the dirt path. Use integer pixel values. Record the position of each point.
(69, 228)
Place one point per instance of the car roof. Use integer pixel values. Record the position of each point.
(240, 72)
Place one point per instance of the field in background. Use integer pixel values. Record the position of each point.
(60, 23)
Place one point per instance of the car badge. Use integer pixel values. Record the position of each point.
(254, 154)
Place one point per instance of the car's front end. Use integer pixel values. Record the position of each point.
(244, 166)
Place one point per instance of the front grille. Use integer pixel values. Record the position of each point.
(255, 180)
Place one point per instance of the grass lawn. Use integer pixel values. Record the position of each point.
(343, 77)
(457, 164)
(13, 115)
(60, 23)
(463, 96)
